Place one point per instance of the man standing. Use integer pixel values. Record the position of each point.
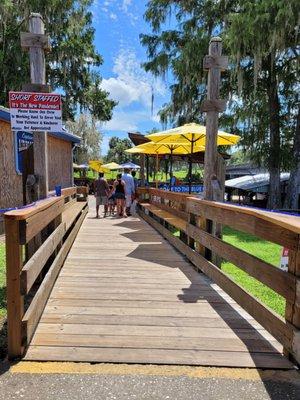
(129, 189)
(101, 194)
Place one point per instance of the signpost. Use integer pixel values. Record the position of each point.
(35, 112)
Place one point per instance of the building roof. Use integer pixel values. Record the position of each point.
(244, 169)
(65, 135)
(254, 183)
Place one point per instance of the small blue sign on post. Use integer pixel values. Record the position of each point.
(183, 188)
(22, 141)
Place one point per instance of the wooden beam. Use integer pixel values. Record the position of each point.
(215, 62)
(15, 302)
(36, 88)
(213, 91)
(34, 312)
(278, 280)
(217, 105)
(30, 40)
(35, 223)
(36, 263)
(245, 221)
(273, 323)
(38, 76)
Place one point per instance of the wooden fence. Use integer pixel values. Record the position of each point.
(38, 240)
(194, 218)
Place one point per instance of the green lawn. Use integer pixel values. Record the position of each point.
(268, 252)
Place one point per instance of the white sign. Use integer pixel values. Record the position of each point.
(35, 112)
(284, 260)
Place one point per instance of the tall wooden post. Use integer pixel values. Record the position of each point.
(36, 41)
(214, 63)
(213, 176)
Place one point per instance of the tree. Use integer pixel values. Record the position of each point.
(261, 37)
(72, 64)
(268, 46)
(91, 138)
(117, 149)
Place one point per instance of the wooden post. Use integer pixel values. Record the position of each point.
(38, 81)
(214, 62)
(292, 310)
(15, 302)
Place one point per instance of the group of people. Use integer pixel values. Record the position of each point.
(119, 195)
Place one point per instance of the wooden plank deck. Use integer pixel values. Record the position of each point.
(126, 295)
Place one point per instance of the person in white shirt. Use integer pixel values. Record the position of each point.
(129, 189)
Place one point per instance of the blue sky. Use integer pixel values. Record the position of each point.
(118, 24)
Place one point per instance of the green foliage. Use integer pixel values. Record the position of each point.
(261, 39)
(91, 138)
(116, 152)
(72, 64)
(239, 157)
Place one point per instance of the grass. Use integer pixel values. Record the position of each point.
(264, 250)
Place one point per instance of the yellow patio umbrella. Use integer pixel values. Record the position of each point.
(164, 148)
(195, 135)
(111, 166)
(192, 133)
(97, 166)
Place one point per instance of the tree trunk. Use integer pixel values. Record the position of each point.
(274, 200)
(293, 191)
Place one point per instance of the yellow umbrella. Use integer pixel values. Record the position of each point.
(164, 148)
(194, 134)
(111, 166)
(97, 166)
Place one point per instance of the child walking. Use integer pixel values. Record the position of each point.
(119, 187)
(111, 200)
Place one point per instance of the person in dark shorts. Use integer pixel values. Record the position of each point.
(101, 194)
(111, 200)
(119, 187)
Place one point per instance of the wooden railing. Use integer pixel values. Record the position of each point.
(199, 242)
(38, 239)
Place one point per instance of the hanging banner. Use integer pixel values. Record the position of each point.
(41, 112)
(22, 142)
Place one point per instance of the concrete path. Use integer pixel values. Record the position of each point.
(75, 381)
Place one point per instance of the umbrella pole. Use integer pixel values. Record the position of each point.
(147, 168)
(156, 177)
(191, 166)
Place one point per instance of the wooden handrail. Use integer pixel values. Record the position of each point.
(40, 230)
(274, 227)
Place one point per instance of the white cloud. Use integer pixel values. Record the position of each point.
(125, 5)
(131, 84)
(132, 87)
(113, 16)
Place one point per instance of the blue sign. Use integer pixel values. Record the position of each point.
(183, 189)
(22, 141)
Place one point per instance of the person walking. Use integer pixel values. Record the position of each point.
(120, 188)
(101, 193)
(129, 189)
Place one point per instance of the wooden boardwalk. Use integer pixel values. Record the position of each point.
(126, 295)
